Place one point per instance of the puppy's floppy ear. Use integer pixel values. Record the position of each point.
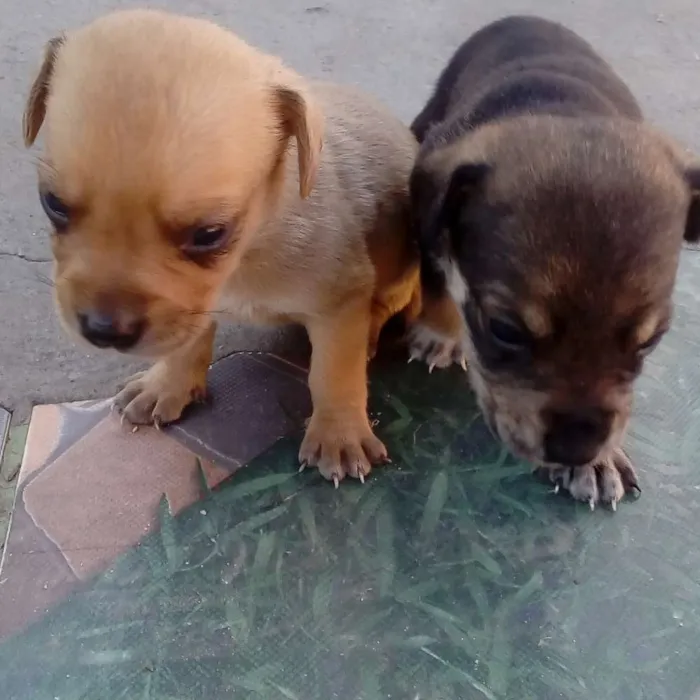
(692, 224)
(438, 197)
(303, 120)
(35, 109)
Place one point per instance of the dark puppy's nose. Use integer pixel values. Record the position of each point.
(105, 330)
(574, 437)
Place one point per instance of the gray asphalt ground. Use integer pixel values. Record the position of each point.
(393, 48)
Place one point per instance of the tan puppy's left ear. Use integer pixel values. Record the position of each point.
(303, 120)
(35, 110)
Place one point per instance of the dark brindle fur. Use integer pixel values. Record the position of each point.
(550, 219)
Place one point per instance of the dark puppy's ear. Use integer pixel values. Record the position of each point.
(438, 199)
(692, 224)
(35, 109)
(467, 181)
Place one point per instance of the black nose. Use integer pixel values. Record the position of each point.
(105, 330)
(575, 437)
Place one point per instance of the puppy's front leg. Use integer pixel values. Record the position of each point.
(339, 439)
(438, 335)
(160, 394)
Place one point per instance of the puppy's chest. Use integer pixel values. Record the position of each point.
(257, 303)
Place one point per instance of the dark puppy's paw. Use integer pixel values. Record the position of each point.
(607, 482)
(436, 349)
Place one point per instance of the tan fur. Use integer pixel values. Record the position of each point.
(156, 124)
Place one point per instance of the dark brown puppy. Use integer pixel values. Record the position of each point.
(550, 219)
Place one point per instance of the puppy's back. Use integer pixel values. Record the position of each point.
(361, 193)
(522, 65)
(364, 140)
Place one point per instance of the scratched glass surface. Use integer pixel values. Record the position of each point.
(452, 574)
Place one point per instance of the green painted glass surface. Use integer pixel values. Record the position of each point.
(453, 574)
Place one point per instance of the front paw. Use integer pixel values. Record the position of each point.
(606, 483)
(158, 396)
(436, 349)
(341, 446)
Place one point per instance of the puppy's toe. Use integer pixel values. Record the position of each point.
(139, 410)
(135, 402)
(435, 349)
(583, 485)
(310, 451)
(355, 461)
(374, 449)
(330, 464)
(626, 471)
(617, 477)
(131, 390)
(611, 488)
(326, 457)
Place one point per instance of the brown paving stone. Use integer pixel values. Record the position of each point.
(90, 488)
(101, 495)
(254, 399)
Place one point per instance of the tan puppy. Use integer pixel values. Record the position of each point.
(186, 172)
(550, 219)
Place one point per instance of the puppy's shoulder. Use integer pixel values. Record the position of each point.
(367, 149)
(352, 115)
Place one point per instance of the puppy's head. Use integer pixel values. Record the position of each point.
(560, 241)
(165, 146)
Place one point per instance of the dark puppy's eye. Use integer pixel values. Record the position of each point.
(649, 345)
(508, 334)
(206, 239)
(57, 210)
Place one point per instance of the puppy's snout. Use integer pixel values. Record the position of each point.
(111, 330)
(575, 437)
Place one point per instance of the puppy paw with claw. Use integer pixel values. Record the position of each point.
(158, 397)
(436, 349)
(340, 448)
(607, 482)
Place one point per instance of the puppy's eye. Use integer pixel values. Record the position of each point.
(508, 334)
(57, 210)
(646, 347)
(206, 239)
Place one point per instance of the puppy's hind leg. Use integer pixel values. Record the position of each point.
(160, 395)
(401, 298)
(381, 313)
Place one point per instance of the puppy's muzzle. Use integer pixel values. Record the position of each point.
(111, 330)
(575, 437)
